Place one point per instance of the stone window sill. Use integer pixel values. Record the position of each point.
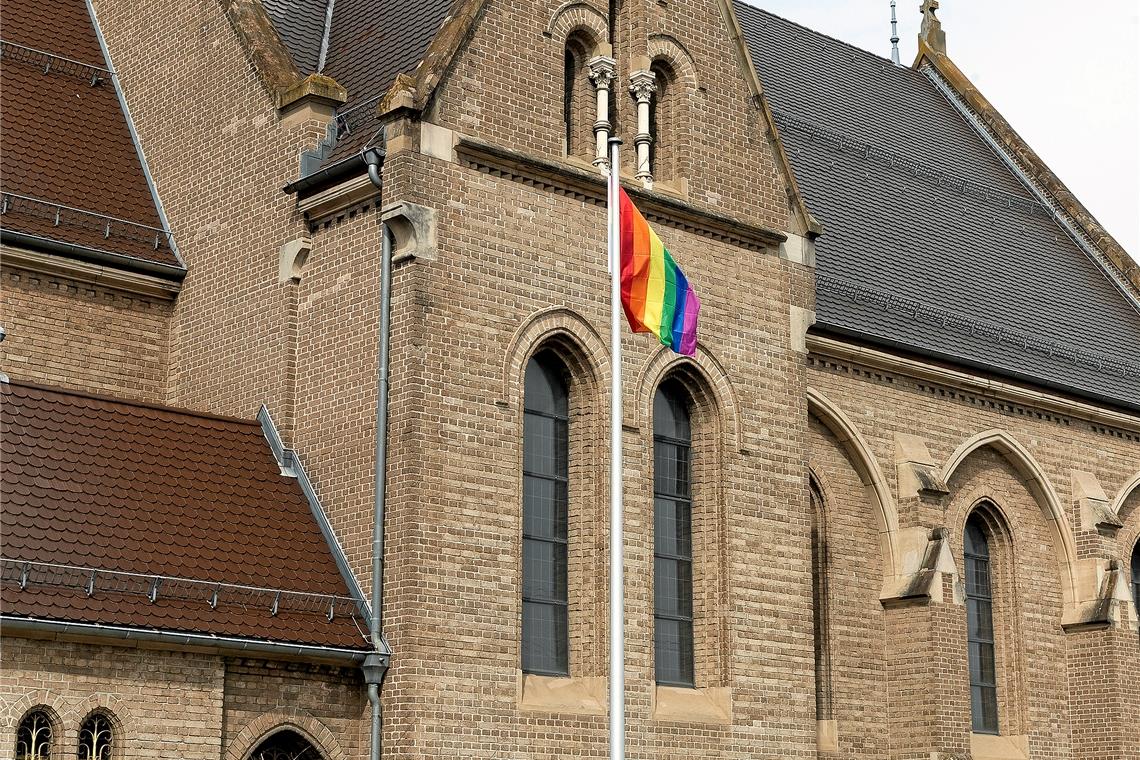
(586, 696)
(710, 705)
(989, 747)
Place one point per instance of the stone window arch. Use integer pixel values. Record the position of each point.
(285, 744)
(36, 734)
(98, 736)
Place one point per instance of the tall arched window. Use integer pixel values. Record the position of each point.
(546, 444)
(577, 98)
(1136, 577)
(96, 737)
(34, 736)
(820, 605)
(285, 745)
(980, 627)
(663, 116)
(672, 536)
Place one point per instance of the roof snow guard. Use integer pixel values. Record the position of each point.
(123, 516)
(73, 179)
(932, 242)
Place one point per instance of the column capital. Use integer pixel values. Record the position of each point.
(643, 85)
(603, 71)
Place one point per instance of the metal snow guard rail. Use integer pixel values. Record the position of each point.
(93, 580)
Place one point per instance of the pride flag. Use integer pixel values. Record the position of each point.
(655, 293)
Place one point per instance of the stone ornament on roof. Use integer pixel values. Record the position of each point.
(931, 32)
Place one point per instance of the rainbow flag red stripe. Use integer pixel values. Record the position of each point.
(655, 293)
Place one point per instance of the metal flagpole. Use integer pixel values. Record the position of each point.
(617, 589)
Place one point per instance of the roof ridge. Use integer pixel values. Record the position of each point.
(818, 33)
(183, 411)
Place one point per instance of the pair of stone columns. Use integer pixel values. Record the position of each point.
(603, 72)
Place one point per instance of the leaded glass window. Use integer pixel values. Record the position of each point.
(33, 736)
(546, 444)
(980, 635)
(285, 745)
(96, 737)
(672, 536)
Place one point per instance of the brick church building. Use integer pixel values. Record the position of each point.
(890, 509)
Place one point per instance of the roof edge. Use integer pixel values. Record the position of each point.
(177, 640)
(117, 261)
(262, 45)
(810, 225)
(292, 467)
(131, 402)
(1019, 151)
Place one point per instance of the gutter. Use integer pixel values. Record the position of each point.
(114, 260)
(223, 644)
(330, 175)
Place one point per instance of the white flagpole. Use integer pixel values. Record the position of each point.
(617, 589)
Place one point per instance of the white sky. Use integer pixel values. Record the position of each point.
(1064, 73)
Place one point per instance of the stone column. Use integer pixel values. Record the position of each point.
(643, 85)
(603, 71)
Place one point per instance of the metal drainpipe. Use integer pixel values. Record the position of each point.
(374, 675)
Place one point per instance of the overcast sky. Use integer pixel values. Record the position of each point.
(1064, 73)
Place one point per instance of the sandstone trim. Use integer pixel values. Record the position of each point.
(262, 44)
(91, 274)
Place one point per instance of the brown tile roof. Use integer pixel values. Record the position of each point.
(134, 492)
(66, 142)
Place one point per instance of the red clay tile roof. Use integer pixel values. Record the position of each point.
(134, 492)
(65, 138)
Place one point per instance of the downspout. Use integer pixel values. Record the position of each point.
(376, 665)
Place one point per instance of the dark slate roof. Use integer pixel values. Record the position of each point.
(115, 493)
(931, 244)
(369, 43)
(69, 170)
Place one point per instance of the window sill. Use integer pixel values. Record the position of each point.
(586, 696)
(678, 704)
(991, 747)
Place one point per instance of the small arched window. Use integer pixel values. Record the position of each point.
(577, 98)
(980, 627)
(96, 737)
(663, 117)
(1136, 577)
(820, 603)
(285, 745)
(34, 736)
(546, 460)
(672, 536)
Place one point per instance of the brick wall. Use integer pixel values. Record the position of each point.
(78, 335)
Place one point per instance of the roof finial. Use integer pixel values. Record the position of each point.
(932, 33)
(894, 35)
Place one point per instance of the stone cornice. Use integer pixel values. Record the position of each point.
(589, 186)
(92, 274)
(970, 382)
(259, 38)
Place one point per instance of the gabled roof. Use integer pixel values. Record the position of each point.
(70, 173)
(108, 502)
(367, 43)
(931, 243)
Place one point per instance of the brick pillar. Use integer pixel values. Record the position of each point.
(1104, 693)
(929, 708)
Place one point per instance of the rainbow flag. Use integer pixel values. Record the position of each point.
(655, 293)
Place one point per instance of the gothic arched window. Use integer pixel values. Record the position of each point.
(546, 444)
(663, 123)
(285, 745)
(34, 736)
(980, 627)
(1136, 577)
(672, 536)
(96, 737)
(819, 564)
